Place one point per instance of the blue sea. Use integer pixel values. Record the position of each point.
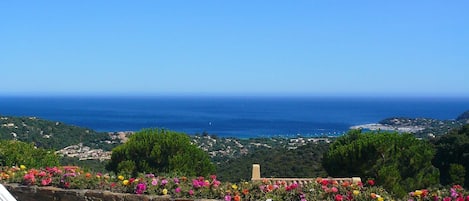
(243, 117)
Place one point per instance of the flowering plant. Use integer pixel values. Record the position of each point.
(212, 188)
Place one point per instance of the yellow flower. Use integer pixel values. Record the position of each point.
(120, 177)
(125, 182)
(356, 192)
(234, 186)
(380, 199)
(418, 192)
(165, 191)
(22, 167)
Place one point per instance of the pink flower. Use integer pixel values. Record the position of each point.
(213, 177)
(176, 180)
(154, 182)
(164, 182)
(46, 182)
(29, 178)
(177, 190)
(334, 189)
(228, 197)
(262, 187)
(191, 192)
(216, 183)
(42, 174)
(447, 199)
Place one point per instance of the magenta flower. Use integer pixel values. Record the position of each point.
(195, 184)
(191, 192)
(140, 189)
(177, 190)
(228, 197)
(164, 182)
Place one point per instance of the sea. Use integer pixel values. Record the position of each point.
(230, 116)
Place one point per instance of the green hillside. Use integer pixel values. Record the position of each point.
(50, 134)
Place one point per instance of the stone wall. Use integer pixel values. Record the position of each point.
(34, 193)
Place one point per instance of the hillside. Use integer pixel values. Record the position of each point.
(463, 117)
(420, 127)
(51, 134)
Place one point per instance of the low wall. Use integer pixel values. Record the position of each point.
(34, 193)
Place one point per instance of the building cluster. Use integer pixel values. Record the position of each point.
(84, 153)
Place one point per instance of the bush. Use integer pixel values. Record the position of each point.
(15, 153)
(453, 148)
(160, 151)
(457, 173)
(399, 162)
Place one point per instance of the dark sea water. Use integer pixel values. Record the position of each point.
(242, 117)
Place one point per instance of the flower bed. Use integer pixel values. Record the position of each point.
(212, 188)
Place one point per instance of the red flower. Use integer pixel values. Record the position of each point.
(371, 182)
(324, 182)
(339, 197)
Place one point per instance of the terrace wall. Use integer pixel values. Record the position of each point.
(34, 193)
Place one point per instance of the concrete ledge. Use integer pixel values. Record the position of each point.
(35, 193)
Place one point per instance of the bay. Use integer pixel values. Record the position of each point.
(231, 116)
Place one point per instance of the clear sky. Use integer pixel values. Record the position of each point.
(323, 47)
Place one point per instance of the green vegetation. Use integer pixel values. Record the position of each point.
(49, 134)
(453, 149)
(89, 165)
(160, 151)
(399, 162)
(15, 153)
(304, 161)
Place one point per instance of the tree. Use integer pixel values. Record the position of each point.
(16, 153)
(453, 148)
(160, 151)
(399, 162)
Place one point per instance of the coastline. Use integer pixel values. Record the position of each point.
(378, 127)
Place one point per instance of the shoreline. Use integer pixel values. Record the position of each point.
(378, 126)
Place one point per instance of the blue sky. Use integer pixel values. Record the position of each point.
(371, 48)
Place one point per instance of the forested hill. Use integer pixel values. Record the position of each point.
(48, 134)
(425, 127)
(464, 117)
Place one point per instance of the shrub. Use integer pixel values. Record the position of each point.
(457, 173)
(160, 151)
(16, 153)
(399, 162)
(452, 148)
